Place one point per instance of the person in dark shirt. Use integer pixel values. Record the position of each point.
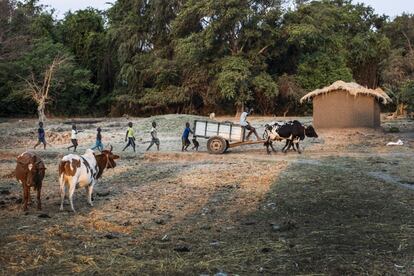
(184, 138)
(98, 143)
(41, 136)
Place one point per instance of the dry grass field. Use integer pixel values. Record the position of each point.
(345, 206)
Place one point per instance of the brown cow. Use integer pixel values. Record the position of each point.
(30, 171)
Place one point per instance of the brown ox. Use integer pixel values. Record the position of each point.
(83, 172)
(30, 171)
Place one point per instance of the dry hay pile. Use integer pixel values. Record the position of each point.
(58, 138)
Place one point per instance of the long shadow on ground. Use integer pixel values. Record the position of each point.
(325, 216)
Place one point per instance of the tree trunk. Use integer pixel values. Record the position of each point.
(400, 111)
(239, 110)
(41, 112)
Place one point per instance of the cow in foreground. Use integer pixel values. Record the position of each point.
(83, 172)
(30, 171)
(293, 132)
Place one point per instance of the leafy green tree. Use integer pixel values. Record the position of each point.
(400, 31)
(83, 33)
(233, 80)
(159, 56)
(335, 40)
(398, 67)
(320, 69)
(407, 95)
(48, 74)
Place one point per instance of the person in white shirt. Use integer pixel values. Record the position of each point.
(154, 137)
(244, 123)
(74, 138)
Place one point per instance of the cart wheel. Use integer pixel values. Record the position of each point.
(216, 145)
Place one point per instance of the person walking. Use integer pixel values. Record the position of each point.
(41, 136)
(184, 138)
(98, 142)
(74, 138)
(130, 137)
(154, 137)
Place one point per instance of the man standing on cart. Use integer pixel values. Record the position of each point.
(245, 124)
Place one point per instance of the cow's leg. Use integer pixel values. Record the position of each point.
(72, 187)
(25, 197)
(89, 189)
(271, 145)
(285, 148)
(297, 146)
(267, 143)
(29, 199)
(62, 191)
(292, 145)
(39, 203)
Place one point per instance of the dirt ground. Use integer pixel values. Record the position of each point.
(345, 206)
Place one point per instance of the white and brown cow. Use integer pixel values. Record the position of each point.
(83, 172)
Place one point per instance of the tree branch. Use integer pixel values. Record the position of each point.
(263, 49)
(410, 48)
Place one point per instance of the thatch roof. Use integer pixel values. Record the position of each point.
(352, 88)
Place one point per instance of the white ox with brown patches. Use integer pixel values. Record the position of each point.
(83, 172)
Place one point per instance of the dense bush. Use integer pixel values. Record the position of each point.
(200, 56)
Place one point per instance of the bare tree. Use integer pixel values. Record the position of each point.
(40, 91)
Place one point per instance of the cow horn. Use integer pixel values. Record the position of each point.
(111, 148)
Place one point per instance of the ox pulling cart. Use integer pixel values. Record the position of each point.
(222, 135)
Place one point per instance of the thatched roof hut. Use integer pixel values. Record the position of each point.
(352, 88)
(345, 104)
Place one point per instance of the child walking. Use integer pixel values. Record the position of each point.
(41, 136)
(74, 138)
(184, 137)
(98, 143)
(130, 137)
(154, 138)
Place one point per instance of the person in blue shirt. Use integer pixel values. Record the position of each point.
(184, 138)
(98, 143)
(41, 136)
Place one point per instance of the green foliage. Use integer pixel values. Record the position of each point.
(407, 95)
(83, 33)
(233, 80)
(321, 69)
(70, 85)
(266, 91)
(160, 56)
(394, 129)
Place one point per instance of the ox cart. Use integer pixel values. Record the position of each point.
(222, 135)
